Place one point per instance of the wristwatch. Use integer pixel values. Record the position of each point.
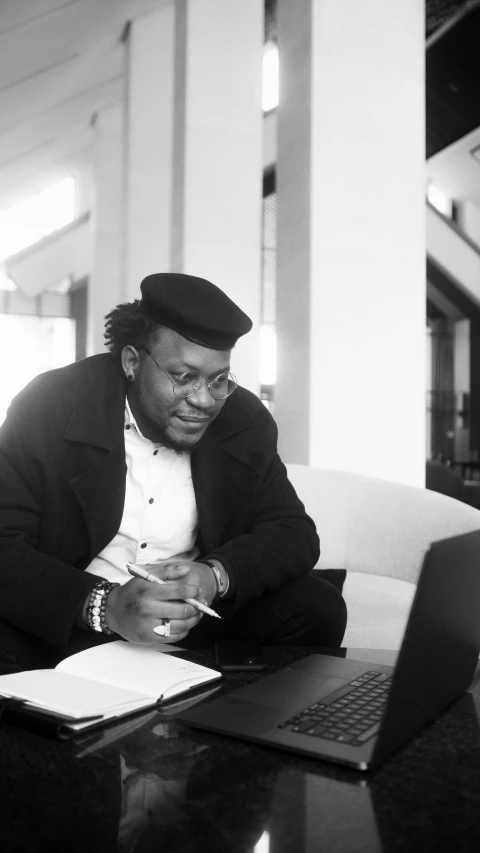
(221, 577)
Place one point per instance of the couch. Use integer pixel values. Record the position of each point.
(378, 531)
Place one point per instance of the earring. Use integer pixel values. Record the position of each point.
(130, 377)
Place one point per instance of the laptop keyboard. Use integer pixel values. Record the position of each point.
(351, 714)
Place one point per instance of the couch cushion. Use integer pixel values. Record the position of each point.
(378, 609)
(376, 526)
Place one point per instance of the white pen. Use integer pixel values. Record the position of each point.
(148, 576)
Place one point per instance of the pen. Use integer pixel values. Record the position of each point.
(148, 576)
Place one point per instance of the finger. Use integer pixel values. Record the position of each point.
(172, 640)
(178, 630)
(168, 571)
(169, 592)
(176, 627)
(178, 610)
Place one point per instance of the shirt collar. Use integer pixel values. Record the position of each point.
(129, 420)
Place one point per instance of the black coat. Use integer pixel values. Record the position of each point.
(62, 491)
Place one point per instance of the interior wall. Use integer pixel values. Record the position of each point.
(470, 220)
(453, 254)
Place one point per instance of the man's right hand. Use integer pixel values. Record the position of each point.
(135, 608)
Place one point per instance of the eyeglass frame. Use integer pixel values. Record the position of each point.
(230, 376)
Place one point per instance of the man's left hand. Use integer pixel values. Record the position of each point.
(199, 575)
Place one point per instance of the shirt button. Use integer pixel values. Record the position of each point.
(143, 545)
(151, 501)
(155, 452)
(127, 426)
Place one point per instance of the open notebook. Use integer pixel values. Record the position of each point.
(104, 682)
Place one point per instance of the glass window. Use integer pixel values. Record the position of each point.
(270, 88)
(440, 201)
(34, 344)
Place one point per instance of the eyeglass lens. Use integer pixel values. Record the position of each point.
(221, 387)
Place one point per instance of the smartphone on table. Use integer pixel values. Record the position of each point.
(238, 655)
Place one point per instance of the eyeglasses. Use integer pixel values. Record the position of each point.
(189, 383)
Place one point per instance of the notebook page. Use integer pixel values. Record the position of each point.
(137, 668)
(69, 695)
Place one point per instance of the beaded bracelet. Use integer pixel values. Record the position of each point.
(97, 606)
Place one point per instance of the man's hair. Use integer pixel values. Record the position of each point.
(126, 325)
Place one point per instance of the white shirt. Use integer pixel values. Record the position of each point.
(160, 517)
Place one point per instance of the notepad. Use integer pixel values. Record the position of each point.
(106, 681)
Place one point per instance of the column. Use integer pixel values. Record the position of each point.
(150, 50)
(351, 236)
(222, 158)
(194, 143)
(106, 286)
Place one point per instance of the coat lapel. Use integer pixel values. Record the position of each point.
(100, 492)
(96, 427)
(222, 477)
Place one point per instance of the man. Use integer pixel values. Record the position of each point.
(151, 456)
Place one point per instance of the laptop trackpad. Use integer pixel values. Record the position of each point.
(256, 709)
(231, 715)
(290, 689)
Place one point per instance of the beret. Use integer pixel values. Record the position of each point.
(195, 308)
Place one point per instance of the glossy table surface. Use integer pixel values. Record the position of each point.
(153, 784)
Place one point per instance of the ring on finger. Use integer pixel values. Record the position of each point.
(164, 628)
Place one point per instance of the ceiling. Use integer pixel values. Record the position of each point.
(61, 61)
(453, 104)
(453, 81)
(437, 14)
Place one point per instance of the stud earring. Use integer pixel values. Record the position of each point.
(130, 377)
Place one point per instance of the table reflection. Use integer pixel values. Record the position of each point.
(152, 783)
(187, 785)
(177, 791)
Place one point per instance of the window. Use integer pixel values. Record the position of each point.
(440, 201)
(43, 325)
(270, 88)
(268, 343)
(48, 342)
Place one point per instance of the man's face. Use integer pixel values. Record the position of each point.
(162, 417)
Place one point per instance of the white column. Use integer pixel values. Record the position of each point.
(194, 143)
(222, 158)
(106, 285)
(351, 389)
(150, 102)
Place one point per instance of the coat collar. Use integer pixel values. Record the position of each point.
(98, 417)
(235, 416)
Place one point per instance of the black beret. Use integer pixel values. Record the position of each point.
(195, 308)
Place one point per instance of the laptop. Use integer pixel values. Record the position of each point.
(356, 713)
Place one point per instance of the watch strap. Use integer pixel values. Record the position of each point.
(222, 584)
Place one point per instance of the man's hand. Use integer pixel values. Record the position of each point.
(135, 608)
(199, 574)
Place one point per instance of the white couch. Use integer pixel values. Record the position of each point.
(379, 532)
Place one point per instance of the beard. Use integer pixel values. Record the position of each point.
(159, 433)
(178, 445)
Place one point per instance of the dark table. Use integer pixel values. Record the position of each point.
(153, 784)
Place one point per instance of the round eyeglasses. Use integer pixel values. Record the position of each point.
(189, 383)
